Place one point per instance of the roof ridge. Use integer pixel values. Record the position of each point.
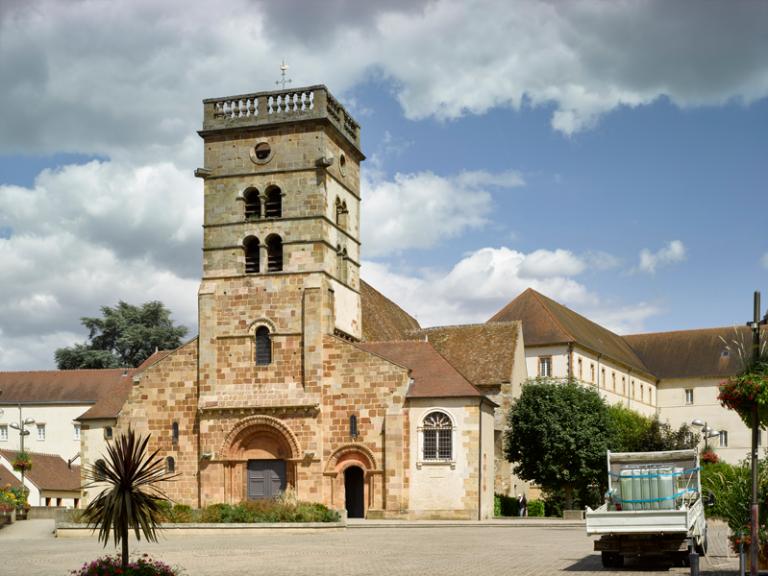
(73, 371)
(469, 325)
(688, 330)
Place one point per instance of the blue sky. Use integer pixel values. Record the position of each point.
(610, 155)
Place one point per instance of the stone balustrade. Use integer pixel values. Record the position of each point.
(273, 107)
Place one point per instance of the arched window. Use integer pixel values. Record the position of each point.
(263, 346)
(252, 204)
(100, 469)
(251, 246)
(273, 207)
(438, 432)
(353, 426)
(175, 433)
(274, 253)
(170, 465)
(341, 214)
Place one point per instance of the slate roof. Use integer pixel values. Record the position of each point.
(383, 319)
(483, 353)
(694, 353)
(433, 376)
(547, 322)
(49, 471)
(105, 389)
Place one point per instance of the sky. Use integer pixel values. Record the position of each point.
(611, 155)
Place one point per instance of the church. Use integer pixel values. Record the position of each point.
(303, 376)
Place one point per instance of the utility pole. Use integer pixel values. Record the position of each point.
(755, 325)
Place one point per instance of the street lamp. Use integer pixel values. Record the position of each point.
(706, 431)
(21, 426)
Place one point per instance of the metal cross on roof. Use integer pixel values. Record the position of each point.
(283, 80)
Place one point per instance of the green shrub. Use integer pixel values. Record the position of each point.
(535, 508)
(264, 511)
(507, 505)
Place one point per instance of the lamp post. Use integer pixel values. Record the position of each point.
(755, 325)
(21, 426)
(706, 431)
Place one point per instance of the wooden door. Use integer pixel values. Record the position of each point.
(266, 478)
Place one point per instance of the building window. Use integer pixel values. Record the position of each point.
(274, 253)
(41, 432)
(689, 395)
(624, 385)
(3, 433)
(170, 465)
(592, 373)
(650, 395)
(545, 366)
(273, 206)
(76, 430)
(634, 391)
(251, 246)
(252, 204)
(642, 393)
(613, 381)
(108, 432)
(263, 346)
(438, 433)
(353, 426)
(100, 469)
(723, 439)
(581, 370)
(175, 433)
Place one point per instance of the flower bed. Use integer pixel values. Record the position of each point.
(111, 566)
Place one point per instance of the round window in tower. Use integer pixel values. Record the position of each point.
(261, 153)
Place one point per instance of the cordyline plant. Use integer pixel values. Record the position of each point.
(130, 498)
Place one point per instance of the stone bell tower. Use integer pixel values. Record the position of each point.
(280, 262)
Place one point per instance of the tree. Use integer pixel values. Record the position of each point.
(131, 499)
(633, 432)
(125, 336)
(557, 436)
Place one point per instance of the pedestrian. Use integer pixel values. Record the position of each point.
(522, 505)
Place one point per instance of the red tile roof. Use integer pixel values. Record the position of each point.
(708, 352)
(7, 478)
(483, 353)
(548, 322)
(433, 376)
(106, 390)
(382, 318)
(49, 471)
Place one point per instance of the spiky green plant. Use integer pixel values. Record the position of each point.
(130, 497)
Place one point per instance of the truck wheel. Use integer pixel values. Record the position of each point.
(612, 560)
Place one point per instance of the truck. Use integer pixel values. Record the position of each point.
(653, 507)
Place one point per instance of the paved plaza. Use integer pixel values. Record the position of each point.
(30, 549)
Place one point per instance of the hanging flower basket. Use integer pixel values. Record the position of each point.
(745, 391)
(22, 462)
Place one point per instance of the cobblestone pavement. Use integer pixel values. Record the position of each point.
(32, 550)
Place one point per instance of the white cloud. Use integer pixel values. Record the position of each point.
(482, 282)
(126, 78)
(90, 235)
(673, 252)
(418, 210)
